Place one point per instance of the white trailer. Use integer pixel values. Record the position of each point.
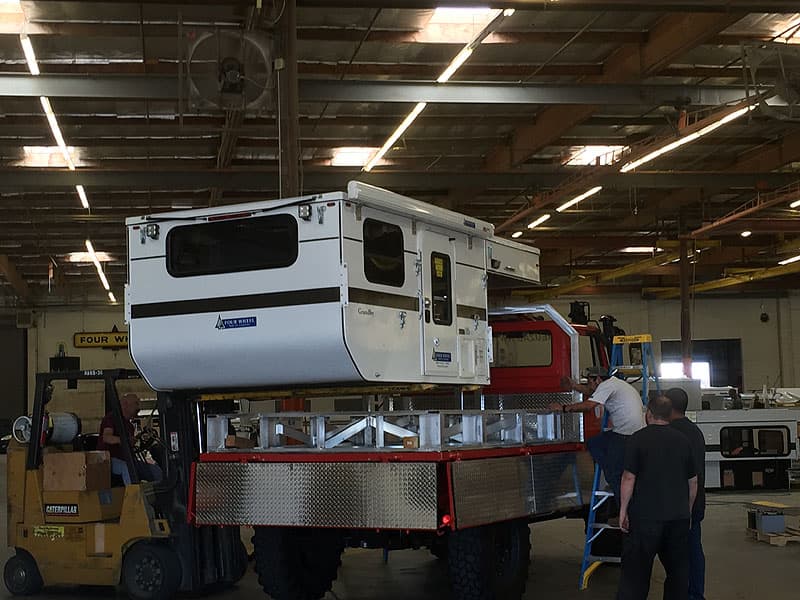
(360, 291)
(357, 286)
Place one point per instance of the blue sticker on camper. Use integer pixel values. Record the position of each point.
(442, 357)
(236, 323)
(470, 224)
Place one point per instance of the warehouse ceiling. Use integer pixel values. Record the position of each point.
(555, 100)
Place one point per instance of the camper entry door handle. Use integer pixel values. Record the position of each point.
(427, 304)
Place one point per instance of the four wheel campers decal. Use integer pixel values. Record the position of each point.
(236, 323)
(61, 510)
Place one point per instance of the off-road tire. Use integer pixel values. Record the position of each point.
(21, 575)
(151, 571)
(297, 564)
(489, 562)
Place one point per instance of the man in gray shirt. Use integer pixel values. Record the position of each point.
(626, 417)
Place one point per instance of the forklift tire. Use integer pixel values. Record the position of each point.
(21, 575)
(297, 564)
(151, 571)
(490, 562)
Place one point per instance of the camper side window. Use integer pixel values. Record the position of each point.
(383, 253)
(252, 244)
(441, 289)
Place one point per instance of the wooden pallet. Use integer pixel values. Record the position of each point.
(776, 539)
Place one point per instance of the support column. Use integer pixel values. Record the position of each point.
(686, 315)
(288, 104)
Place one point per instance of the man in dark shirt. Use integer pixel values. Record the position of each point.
(659, 485)
(111, 441)
(697, 443)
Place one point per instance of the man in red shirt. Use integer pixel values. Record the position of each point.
(111, 441)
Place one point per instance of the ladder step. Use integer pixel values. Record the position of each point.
(607, 559)
(603, 494)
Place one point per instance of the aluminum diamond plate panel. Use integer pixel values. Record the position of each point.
(352, 495)
(490, 490)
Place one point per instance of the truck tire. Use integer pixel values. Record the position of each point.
(297, 564)
(151, 571)
(490, 562)
(21, 575)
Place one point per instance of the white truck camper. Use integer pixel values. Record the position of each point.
(338, 288)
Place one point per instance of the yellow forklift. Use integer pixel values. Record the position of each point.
(69, 525)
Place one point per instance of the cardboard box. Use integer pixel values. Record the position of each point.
(235, 441)
(411, 443)
(77, 471)
(727, 478)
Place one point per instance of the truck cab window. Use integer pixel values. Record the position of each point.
(441, 289)
(233, 246)
(383, 253)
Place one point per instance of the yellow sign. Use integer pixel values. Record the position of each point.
(633, 339)
(51, 532)
(100, 339)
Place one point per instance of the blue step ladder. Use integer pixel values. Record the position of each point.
(647, 372)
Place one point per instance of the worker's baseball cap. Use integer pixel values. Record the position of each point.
(596, 372)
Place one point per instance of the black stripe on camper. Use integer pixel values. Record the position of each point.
(230, 303)
(362, 296)
(468, 312)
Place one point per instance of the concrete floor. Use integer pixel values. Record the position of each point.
(738, 568)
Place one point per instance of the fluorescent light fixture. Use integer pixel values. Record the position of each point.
(746, 234)
(539, 221)
(516, 234)
(56, 130)
(85, 257)
(597, 155)
(687, 139)
(640, 249)
(508, 12)
(351, 156)
(112, 297)
(461, 16)
(396, 135)
(97, 265)
(47, 156)
(578, 198)
(455, 64)
(82, 196)
(795, 204)
(30, 55)
(789, 261)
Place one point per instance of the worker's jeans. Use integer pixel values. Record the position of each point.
(608, 451)
(697, 562)
(146, 471)
(668, 540)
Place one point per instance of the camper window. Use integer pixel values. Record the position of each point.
(252, 244)
(441, 289)
(383, 253)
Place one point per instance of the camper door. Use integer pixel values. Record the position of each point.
(439, 326)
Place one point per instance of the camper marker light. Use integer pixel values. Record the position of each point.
(686, 140)
(152, 230)
(304, 212)
(538, 221)
(578, 198)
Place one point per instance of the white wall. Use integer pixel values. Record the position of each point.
(769, 350)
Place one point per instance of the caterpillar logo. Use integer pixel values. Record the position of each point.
(61, 510)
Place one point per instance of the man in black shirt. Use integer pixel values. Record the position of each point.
(659, 485)
(697, 443)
